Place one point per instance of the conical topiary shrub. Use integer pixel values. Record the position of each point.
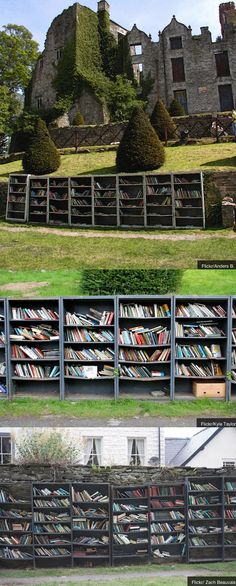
(140, 148)
(176, 109)
(78, 119)
(41, 155)
(162, 120)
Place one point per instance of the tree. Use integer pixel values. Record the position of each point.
(48, 448)
(5, 104)
(162, 121)
(78, 119)
(140, 148)
(18, 56)
(41, 155)
(123, 61)
(176, 109)
(121, 99)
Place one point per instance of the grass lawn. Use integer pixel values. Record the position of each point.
(31, 250)
(23, 284)
(109, 409)
(209, 157)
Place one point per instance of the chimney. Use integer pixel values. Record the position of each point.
(103, 5)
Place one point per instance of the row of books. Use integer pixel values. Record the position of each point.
(203, 514)
(52, 552)
(193, 369)
(42, 332)
(89, 513)
(139, 310)
(199, 330)
(38, 372)
(90, 525)
(140, 372)
(127, 355)
(187, 194)
(52, 503)
(89, 354)
(200, 310)
(14, 540)
(85, 496)
(144, 337)
(198, 351)
(208, 486)
(160, 539)
(203, 500)
(230, 485)
(14, 554)
(174, 515)
(25, 313)
(166, 527)
(85, 335)
(52, 528)
(204, 529)
(54, 517)
(89, 372)
(34, 353)
(92, 318)
(160, 504)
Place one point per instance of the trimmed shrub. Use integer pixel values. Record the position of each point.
(78, 119)
(213, 202)
(130, 282)
(140, 148)
(41, 155)
(161, 121)
(176, 109)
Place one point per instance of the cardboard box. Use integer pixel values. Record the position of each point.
(212, 390)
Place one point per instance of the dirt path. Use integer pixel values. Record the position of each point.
(67, 421)
(109, 578)
(120, 235)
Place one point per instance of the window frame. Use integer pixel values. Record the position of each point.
(2, 453)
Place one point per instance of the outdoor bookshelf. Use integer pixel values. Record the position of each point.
(118, 347)
(130, 523)
(4, 382)
(34, 350)
(17, 198)
(168, 521)
(205, 519)
(191, 519)
(188, 199)
(52, 524)
(229, 518)
(201, 343)
(129, 201)
(144, 325)
(89, 353)
(232, 336)
(91, 533)
(16, 536)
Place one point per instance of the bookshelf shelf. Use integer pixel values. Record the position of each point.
(108, 200)
(129, 502)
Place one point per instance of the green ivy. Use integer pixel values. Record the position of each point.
(108, 44)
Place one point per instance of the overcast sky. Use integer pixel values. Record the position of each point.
(180, 431)
(149, 15)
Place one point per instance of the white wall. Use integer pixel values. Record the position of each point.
(221, 448)
(114, 441)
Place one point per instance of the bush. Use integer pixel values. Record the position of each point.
(41, 156)
(48, 448)
(162, 121)
(213, 202)
(130, 282)
(122, 99)
(176, 109)
(78, 119)
(140, 148)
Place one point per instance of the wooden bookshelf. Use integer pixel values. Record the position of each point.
(232, 335)
(17, 198)
(52, 524)
(144, 325)
(4, 378)
(205, 519)
(174, 200)
(168, 521)
(16, 536)
(89, 347)
(130, 523)
(201, 344)
(189, 200)
(81, 201)
(34, 349)
(91, 532)
(229, 518)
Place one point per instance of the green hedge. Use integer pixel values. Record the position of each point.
(213, 202)
(130, 282)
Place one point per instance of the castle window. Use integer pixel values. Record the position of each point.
(222, 64)
(136, 50)
(39, 102)
(176, 43)
(178, 69)
(181, 97)
(5, 448)
(59, 53)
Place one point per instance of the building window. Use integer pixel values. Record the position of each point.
(5, 448)
(226, 97)
(178, 69)
(39, 102)
(138, 72)
(181, 97)
(41, 64)
(136, 452)
(136, 50)
(93, 456)
(176, 43)
(222, 64)
(59, 53)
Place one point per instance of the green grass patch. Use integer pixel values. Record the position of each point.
(205, 157)
(107, 409)
(208, 282)
(31, 250)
